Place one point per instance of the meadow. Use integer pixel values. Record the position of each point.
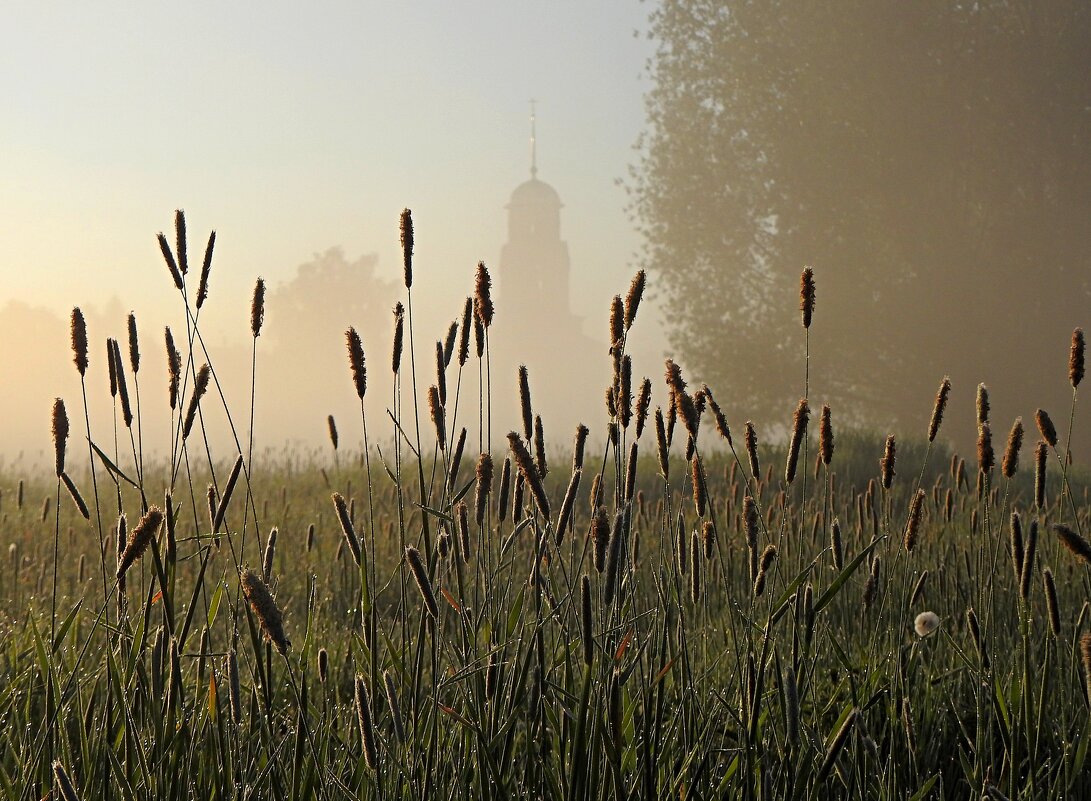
(660, 605)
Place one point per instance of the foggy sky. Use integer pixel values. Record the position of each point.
(290, 133)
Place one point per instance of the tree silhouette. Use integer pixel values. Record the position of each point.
(306, 322)
(930, 160)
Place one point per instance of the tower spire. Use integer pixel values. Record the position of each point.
(533, 142)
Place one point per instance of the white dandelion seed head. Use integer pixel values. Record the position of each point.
(926, 623)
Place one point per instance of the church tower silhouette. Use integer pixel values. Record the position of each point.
(534, 263)
(535, 324)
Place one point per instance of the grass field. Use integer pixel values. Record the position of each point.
(433, 609)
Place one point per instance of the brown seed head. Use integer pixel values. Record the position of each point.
(122, 386)
(985, 457)
(680, 399)
(347, 529)
(180, 240)
(1076, 544)
(1085, 658)
(1011, 453)
(938, 408)
(614, 560)
(257, 308)
(836, 546)
(871, 588)
(462, 524)
(399, 334)
(213, 504)
(661, 442)
(134, 345)
(168, 257)
(700, 492)
(1046, 427)
(265, 609)
(77, 499)
(1030, 547)
(630, 472)
(564, 519)
(825, 435)
(356, 362)
(79, 340)
(420, 576)
(681, 546)
(270, 554)
(718, 416)
(912, 526)
(578, 446)
(174, 368)
(200, 386)
(625, 392)
(435, 409)
(539, 447)
(1040, 452)
(479, 334)
(806, 295)
(392, 702)
(708, 537)
(505, 489)
(600, 538)
(407, 246)
(233, 688)
(332, 425)
(112, 367)
(441, 373)
(617, 322)
(529, 471)
(643, 403)
(767, 557)
(367, 728)
(886, 464)
(483, 295)
(60, 433)
(750, 523)
(483, 474)
(632, 299)
(524, 403)
(1075, 358)
(449, 344)
(799, 432)
(206, 269)
(982, 404)
(751, 438)
(139, 540)
(464, 332)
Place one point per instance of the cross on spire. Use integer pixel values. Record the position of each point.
(533, 142)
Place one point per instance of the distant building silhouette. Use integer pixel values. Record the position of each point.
(537, 327)
(534, 264)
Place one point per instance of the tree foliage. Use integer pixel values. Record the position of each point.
(326, 295)
(931, 160)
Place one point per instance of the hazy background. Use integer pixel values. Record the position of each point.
(931, 160)
(292, 132)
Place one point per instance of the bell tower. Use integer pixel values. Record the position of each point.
(534, 264)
